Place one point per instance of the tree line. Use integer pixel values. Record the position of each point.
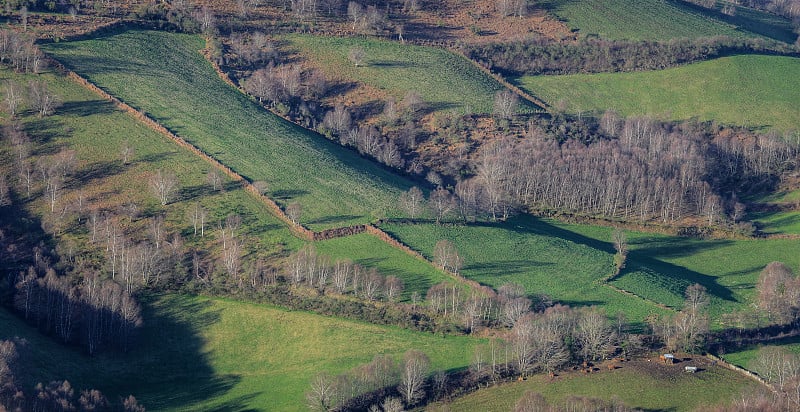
(548, 57)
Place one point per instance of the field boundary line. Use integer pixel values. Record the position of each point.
(391, 241)
(298, 229)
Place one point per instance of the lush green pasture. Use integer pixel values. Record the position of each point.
(662, 20)
(164, 75)
(661, 267)
(198, 353)
(565, 265)
(367, 250)
(756, 91)
(651, 387)
(446, 81)
(96, 131)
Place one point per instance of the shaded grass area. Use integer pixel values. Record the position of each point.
(745, 357)
(545, 258)
(664, 20)
(198, 353)
(660, 267)
(446, 81)
(164, 75)
(643, 387)
(753, 91)
(367, 250)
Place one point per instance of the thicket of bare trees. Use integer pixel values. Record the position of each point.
(539, 56)
(97, 313)
(55, 396)
(20, 52)
(779, 293)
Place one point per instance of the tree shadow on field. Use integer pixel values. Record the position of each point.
(43, 131)
(86, 108)
(167, 366)
(170, 362)
(96, 171)
(288, 194)
(640, 257)
(506, 267)
(334, 219)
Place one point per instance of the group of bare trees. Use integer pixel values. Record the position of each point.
(687, 329)
(37, 96)
(307, 267)
(382, 384)
(540, 56)
(55, 396)
(19, 51)
(779, 293)
(96, 313)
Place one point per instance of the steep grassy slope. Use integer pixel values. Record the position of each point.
(756, 91)
(164, 75)
(445, 81)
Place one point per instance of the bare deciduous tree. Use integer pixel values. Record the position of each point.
(414, 372)
(293, 211)
(164, 185)
(356, 55)
(506, 103)
(42, 100)
(412, 202)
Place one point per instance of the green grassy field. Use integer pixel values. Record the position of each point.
(644, 387)
(197, 353)
(754, 91)
(164, 75)
(661, 267)
(446, 81)
(96, 131)
(567, 262)
(544, 258)
(367, 250)
(663, 20)
(745, 357)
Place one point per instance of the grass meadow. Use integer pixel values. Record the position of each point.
(646, 386)
(568, 262)
(543, 257)
(445, 81)
(664, 20)
(660, 267)
(753, 91)
(203, 354)
(96, 131)
(369, 251)
(164, 75)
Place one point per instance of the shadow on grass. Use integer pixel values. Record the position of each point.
(86, 108)
(641, 257)
(167, 367)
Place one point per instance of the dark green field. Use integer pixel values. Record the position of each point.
(164, 75)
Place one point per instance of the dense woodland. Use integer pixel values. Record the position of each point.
(626, 169)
